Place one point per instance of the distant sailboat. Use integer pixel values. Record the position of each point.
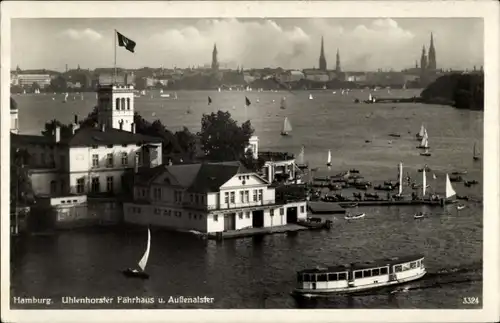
(329, 159)
(450, 192)
(287, 127)
(81, 97)
(283, 103)
(424, 143)
(188, 110)
(175, 96)
(420, 134)
(400, 175)
(424, 183)
(476, 155)
(142, 263)
(310, 96)
(219, 89)
(301, 159)
(65, 97)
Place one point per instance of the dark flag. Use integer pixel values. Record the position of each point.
(209, 100)
(123, 41)
(247, 102)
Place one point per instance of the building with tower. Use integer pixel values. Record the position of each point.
(431, 63)
(423, 60)
(115, 104)
(322, 58)
(215, 61)
(338, 69)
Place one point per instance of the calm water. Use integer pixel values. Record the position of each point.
(260, 273)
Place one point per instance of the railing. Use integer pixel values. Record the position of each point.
(229, 206)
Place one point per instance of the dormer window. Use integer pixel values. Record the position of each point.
(110, 146)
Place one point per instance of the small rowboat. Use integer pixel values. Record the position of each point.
(355, 216)
(419, 215)
(460, 207)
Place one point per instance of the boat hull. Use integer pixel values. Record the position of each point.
(135, 274)
(307, 293)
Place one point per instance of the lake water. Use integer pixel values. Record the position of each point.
(260, 272)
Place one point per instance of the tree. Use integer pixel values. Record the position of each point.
(187, 141)
(21, 190)
(221, 137)
(58, 84)
(51, 126)
(35, 86)
(250, 163)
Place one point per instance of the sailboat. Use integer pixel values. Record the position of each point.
(424, 183)
(476, 154)
(65, 98)
(420, 134)
(283, 103)
(175, 96)
(135, 273)
(329, 160)
(426, 153)
(424, 143)
(287, 127)
(450, 192)
(400, 179)
(301, 162)
(310, 96)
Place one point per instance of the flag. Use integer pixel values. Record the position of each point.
(209, 100)
(123, 41)
(247, 102)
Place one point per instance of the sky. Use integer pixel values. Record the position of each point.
(364, 44)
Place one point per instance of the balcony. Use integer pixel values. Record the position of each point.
(229, 206)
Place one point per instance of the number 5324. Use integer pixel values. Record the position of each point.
(470, 300)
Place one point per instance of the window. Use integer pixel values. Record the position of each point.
(322, 277)
(95, 160)
(117, 104)
(383, 271)
(232, 197)
(216, 217)
(109, 184)
(367, 273)
(202, 199)
(342, 276)
(128, 103)
(358, 274)
(260, 195)
(191, 197)
(62, 159)
(109, 146)
(80, 185)
(398, 268)
(196, 198)
(413, 265)
(307, 277)
(95, 186)
(165, 212)
(95, 146)
(122, 104)
(255, 195)
(247, 196)
(271, 212)
(282, 211)
(332, 277)
(124, 159)
(240, 215)
(406, 266)
(242, 196)
(247, 215)
(109, 160)
(53, 187)
(376, 272)
(302, 209)
(226, 197)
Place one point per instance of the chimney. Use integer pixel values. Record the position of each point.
(57, 134)
(76, 118)
(136, 163)
(132, 127)
(74, 128)
(103, 127)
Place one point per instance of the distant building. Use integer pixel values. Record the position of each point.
(43, 80)
(290, 76)
(215, 61)
(357, 77)
(316, 75)
(208, 197)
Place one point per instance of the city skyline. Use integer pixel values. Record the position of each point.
(363, 44)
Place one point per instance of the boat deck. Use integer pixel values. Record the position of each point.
(251, 232)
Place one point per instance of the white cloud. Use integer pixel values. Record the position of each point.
(85, 34)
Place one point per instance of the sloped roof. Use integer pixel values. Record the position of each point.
(85, 137)
(17, 139)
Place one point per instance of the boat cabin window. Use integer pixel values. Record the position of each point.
(418, 263)
(342, 276)
(299, 277)
(367, 273)
(413, 265)
(376, 272)
(307, 277)
(398, 268)
(383, 271)
(358, 274)
(406, 266)
(321, 278)
(332, 277)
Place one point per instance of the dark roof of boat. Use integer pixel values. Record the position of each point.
(362, 265)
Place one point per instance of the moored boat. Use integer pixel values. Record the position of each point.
(287, 127)
(354, 216)
(358, 277)
(329, 159)
(460, 207)
(419, 215)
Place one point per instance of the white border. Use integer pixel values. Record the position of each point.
(489, 11)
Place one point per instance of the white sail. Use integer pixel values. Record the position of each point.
(144, 260)
(424, 183)
(422, 131)
(400, 178)
(301, 155)
(161, 91)
(310, 96)
(329, 160)
(175, 95)
(283, 102)
(66, 97)
(287, 127)
(434, 176)
(370, 97)
(449, 189)
(218, 89)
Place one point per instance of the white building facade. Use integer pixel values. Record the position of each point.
(208, 198)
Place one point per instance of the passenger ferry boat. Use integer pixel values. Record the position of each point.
(358, 277)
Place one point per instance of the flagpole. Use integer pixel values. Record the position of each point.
(114, 65)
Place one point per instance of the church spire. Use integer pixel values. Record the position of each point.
(337, 63)
(432, 55)
(322, 59)
(215, 62)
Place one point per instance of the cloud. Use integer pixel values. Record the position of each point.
(268, 43)
(85, 34)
